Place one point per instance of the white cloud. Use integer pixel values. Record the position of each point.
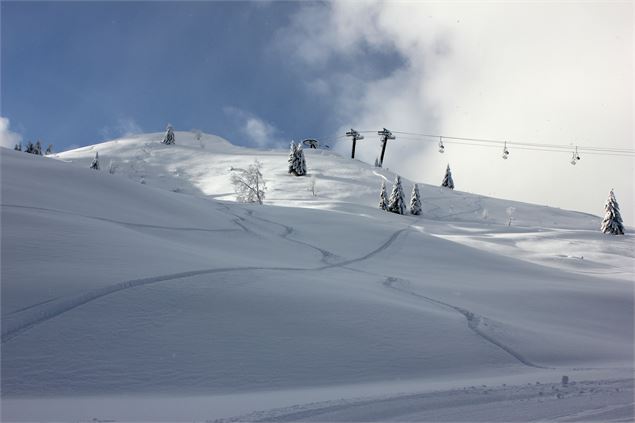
(258, 131)
(558, 73)
(125, 126)
(8, 138)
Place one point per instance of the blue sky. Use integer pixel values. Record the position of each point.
(75, 73)
(262, 73)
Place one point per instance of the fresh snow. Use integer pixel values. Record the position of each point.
(151, 294)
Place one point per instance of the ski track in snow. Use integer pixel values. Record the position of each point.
(445, 404)
(15, 323)
(376, 251)
(29, 307)
(473, 319)
(287, 235)
(14, 326)
(120, 222)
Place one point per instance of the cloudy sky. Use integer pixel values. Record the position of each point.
(261, 74)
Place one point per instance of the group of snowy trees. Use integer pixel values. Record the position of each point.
(396, 203)
(611, 224)
(34, 148)
(249, 184)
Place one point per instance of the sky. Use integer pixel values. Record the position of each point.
(263, 73)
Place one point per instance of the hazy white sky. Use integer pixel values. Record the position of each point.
(553, 73)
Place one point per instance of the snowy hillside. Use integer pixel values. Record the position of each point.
(202, 167)
(150, 295)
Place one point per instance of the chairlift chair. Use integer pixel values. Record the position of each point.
(311, 143)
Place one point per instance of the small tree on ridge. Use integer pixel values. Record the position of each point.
(397, 202)
(383, 196)
(612, 222)
(415, 201)
(448, 182)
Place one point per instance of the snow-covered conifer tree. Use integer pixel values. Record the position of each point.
(37, 149)
(448, 182)
(49, 149)
(292, 155)
(29, 147)
(397, 202)
(168, 139)
(415, 201)
(18, 147)
(383, 196)
(612, 222)
(301, 161)
(297, 164)
(95, 163)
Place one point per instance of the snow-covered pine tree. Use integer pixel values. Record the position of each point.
(301, 161)
(415, 201)
(49, 150)
(95, 164)
(168, 139)
(612, 222)
(18, 147)
(292, 156)
(297, 164)
(29, 147)
(37, 149)
(383, 196)
(397, 202)
(448, 182)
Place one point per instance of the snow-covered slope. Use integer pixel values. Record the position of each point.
(170, 305)
(201, 166)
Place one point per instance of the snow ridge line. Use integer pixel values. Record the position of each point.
(120, 222)
(473, 319)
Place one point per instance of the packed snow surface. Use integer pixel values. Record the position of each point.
(149, 294)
